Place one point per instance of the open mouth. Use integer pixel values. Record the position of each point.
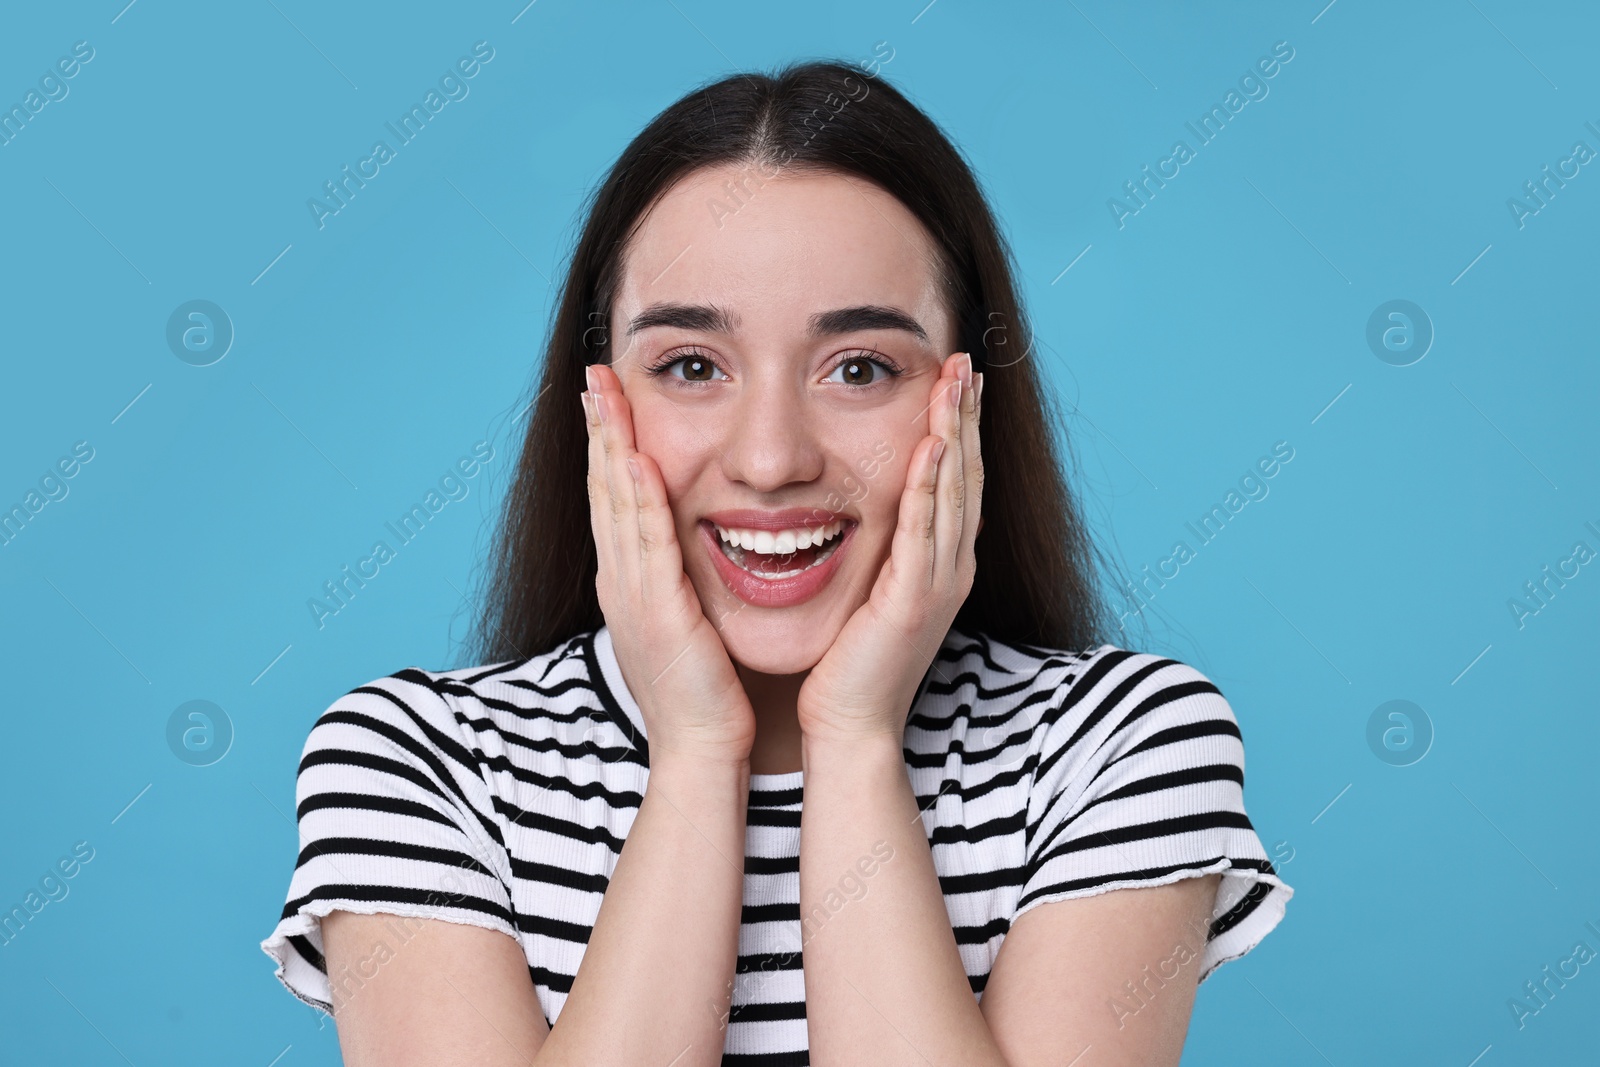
(774, 556)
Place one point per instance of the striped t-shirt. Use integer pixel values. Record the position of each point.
(501, 796)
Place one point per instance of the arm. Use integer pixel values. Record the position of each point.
(885, 983)
(656, 978)
(451, 994)
(1115, 972)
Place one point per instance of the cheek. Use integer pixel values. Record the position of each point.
(872, 471)
(672, 441)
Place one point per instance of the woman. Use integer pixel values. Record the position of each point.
(752, 560)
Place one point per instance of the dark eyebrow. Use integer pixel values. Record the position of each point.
(823, 324)
(865, 317)
(684, 317)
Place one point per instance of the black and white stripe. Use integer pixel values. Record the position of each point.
(501, 796)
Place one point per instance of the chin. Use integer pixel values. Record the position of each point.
(777, 638)
(777, 644)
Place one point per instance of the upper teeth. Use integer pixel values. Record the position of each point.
(780, 541)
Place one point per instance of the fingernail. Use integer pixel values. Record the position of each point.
(955, 395)
(633, 469)
(964, 368)
(588, 407)
(977, 390)
(588, 377)
(600, 406)
(938, 450)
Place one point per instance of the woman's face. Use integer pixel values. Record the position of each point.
(796, 331)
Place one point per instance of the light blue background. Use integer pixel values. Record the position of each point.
(1225, 316)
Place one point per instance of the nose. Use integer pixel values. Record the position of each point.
(773, 437)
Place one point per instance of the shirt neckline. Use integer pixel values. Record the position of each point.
(773, 783)
(619, 701)
(614, 693)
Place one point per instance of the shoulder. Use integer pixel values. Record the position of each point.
(1100, 680)
(987, 658)
(1146, 711)
(1138, 780)
(994, 683)
(1147, 742)
(429, 717)
(1077, 710)
(1117, 696)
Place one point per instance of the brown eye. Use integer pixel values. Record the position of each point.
(697, 369)
(858, 372)
(861, 371)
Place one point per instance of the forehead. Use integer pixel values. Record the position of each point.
(778, 249)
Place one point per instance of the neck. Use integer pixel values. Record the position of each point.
(775, 698)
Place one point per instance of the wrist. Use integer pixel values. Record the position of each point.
(711, 749)
(698, 768)
(835, 725)
(863, 746)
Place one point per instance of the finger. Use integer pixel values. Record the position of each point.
(949, 497)
(919, 506)
(911, 555)
(660, 556)
(616, 432)
(972, 478)
(600, 520)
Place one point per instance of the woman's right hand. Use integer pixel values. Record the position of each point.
(672, 658)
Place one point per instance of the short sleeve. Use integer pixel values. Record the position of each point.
(1140, 782)
(395, 817)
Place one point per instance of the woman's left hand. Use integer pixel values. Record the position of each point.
(863, 686)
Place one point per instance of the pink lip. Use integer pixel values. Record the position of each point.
(787, 519)
(787, 592)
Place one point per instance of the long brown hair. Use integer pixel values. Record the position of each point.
(1036, 583)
